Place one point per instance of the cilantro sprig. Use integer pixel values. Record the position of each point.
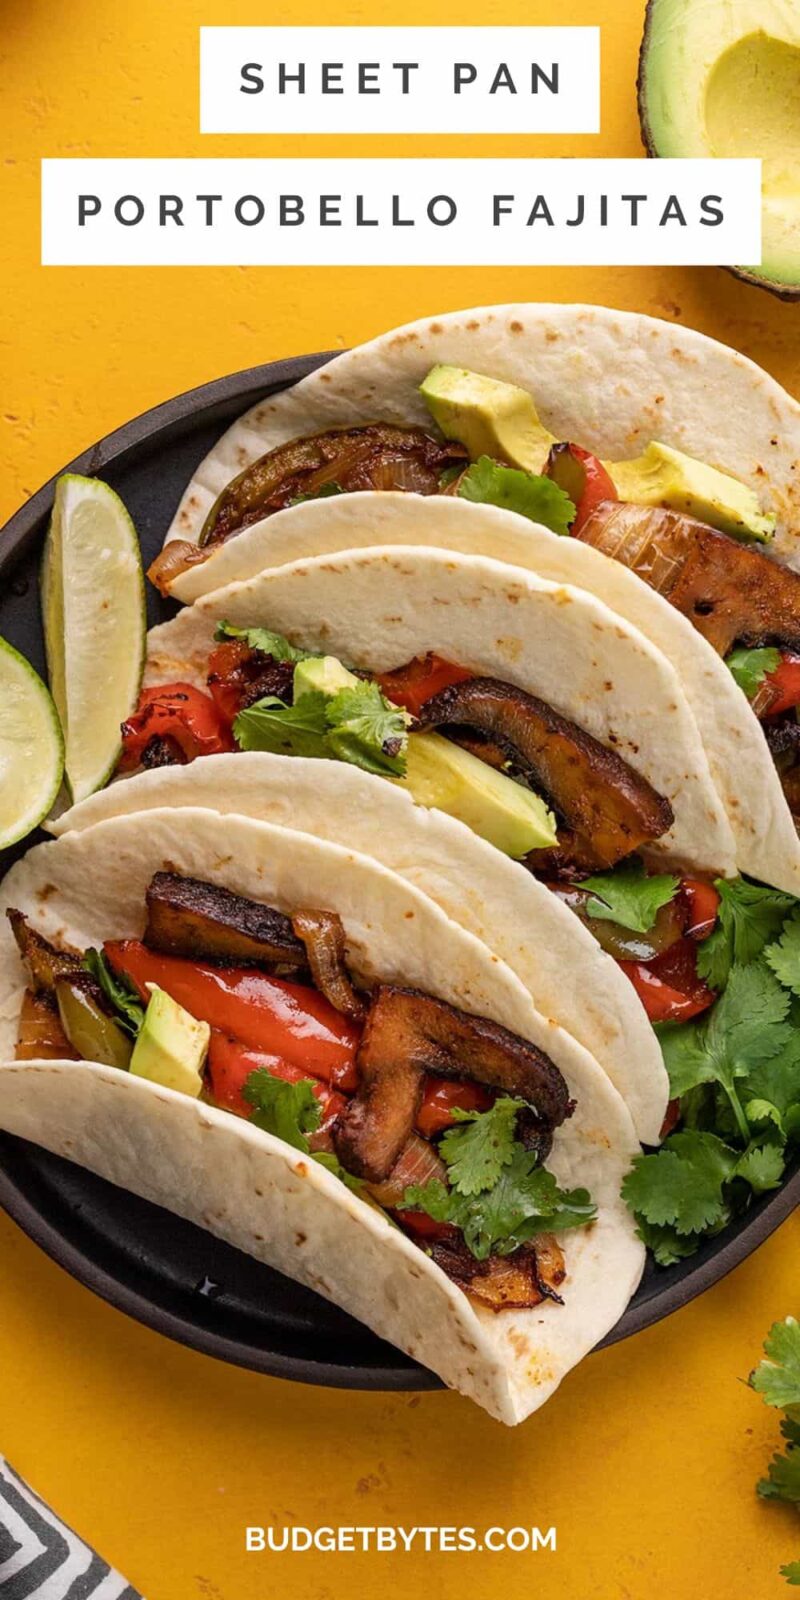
(272, 644)
(749, 917)
(777, 1380)
(291, 1112)
(629, 895)
(357, 724)
(123, 999)
(497, 1194)
(538, 498)
(751, 667)
(735, 1071)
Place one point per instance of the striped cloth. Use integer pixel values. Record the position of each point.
(41, 1559)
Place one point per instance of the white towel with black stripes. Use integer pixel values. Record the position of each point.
(42, 1559)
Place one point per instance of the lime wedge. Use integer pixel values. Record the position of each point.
(31, 747)
(94, 625)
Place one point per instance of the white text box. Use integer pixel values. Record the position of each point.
(400, 80)
(400, 212)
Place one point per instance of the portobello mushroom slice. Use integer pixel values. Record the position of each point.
(46, 963)
(530, 1275)
(203, 922)
(608, 808)
(322, 935)
(378, 455)
(730, 592)
(407, 1034)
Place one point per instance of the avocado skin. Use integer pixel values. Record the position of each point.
(781, 291)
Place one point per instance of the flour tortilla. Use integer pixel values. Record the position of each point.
(259, 1194)
(378, 608)
(610, 380)
(567, 975)
(766, 841)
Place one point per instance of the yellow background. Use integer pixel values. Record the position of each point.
(647, 1458)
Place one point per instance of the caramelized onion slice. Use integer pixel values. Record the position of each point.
(40, 1036)
(730, 592)
(418, 1163)
(376, 456)
(608, 808)
(407, 1034)
(176, 557)
(322, 934)
(531, 1274)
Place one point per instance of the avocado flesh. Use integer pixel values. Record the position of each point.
(172, 1046)
(723, 79)
(321, 675)
(499, 419)
(489, 417)
(440, 774)
(666, 477)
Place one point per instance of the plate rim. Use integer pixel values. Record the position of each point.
(16, 539)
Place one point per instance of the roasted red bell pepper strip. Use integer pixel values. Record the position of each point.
(582, 477)
(668, 986)
(700, 901)
(179, 712)
(440, 1098)
(425, 1227)
(410, 686)
(272, 1015)
(225, 677)
(231, 1063)
(780, 690)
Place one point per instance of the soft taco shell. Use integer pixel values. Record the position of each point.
(743, 770)
(262, 1196)
(611, 380)
(378, 608)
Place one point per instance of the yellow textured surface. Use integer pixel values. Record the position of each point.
(646, 1459)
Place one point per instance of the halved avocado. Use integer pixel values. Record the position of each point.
(723, 79)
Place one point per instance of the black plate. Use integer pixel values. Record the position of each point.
(163, 1271)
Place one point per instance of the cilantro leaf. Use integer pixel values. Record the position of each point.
(323, 493)
(777, 1378)
(749, 916)
(771, 1090)
(479, 1145)
(124, 999)
(525, 1201)
(784, 955)
(667, 1245)
(357, 724)
(682, 1184)
(746, 1027)
(750, 667)
(366, 730)
(628, 896)
(290, 1111)
(762, 1166)
(298, 730)
(488, 482)
(783, 1480)
(272, 644)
